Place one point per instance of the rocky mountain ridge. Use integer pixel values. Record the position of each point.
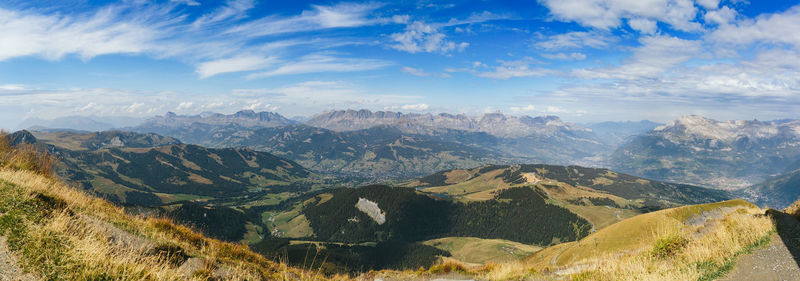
(722, 154)
(497, 124)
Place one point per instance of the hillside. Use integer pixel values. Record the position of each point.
(54, 232)
(210, 189)
(721, 154)
(77, 141)
(777, 192)
(579, 188)
(148, 169)
(502, 208)
(375, 152)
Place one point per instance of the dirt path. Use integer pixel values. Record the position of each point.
(780, 260)
(9, 271)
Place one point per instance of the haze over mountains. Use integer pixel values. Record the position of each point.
(723, 154)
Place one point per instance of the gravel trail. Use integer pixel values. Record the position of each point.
(780, 260)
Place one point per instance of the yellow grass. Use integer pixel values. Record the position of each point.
(25, 156)
(479, 251)
(700, 252)
(84, 227)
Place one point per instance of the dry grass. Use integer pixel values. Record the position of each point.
(794, 209)
(25, 156)
(59, 232)
(677, 253)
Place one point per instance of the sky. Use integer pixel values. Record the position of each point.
(582, 60)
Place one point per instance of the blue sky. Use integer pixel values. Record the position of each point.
(583, 60)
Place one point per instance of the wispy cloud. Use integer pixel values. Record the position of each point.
(510, 69)
(415, 71)
(233, 9)
(421, 37)
(319, 17)
(54, 36)
(235, 64)
(315, 63)
(575, 40)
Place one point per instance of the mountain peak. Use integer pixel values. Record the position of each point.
(244, 118)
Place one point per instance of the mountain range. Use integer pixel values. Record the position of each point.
(731, 155)
(721, 154)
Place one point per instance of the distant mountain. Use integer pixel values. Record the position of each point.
(377, 152)
(615, 133)
(78, 141)
(496, 124)
(80, 123)
(491, 138)
(533, 138)
(722, 154)
(197, 129)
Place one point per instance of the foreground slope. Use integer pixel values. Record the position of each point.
(54, 232)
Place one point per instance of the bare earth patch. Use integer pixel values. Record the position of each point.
(9, 270)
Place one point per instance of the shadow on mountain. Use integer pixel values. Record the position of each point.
(789, 230)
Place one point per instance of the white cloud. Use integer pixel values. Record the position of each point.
(235, 64)
(555, 109)
(315, 63)
(607, 14)
(187, 2)
(186, 105)
(527, 108)
(564, 56)
(512, 69)
(655, 57)
(477, 18)
(419, 106)
(320, 17)
(723, 16)
(54, 36)
(708, 4)
(233, 9)
(643, 25)
(134, 107)
(778, 28)
(415, 71)
(12, 87)
(421, 37)
(576, 40)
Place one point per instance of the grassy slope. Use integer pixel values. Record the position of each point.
(58, 231)
(480, 251)
(629, 234)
